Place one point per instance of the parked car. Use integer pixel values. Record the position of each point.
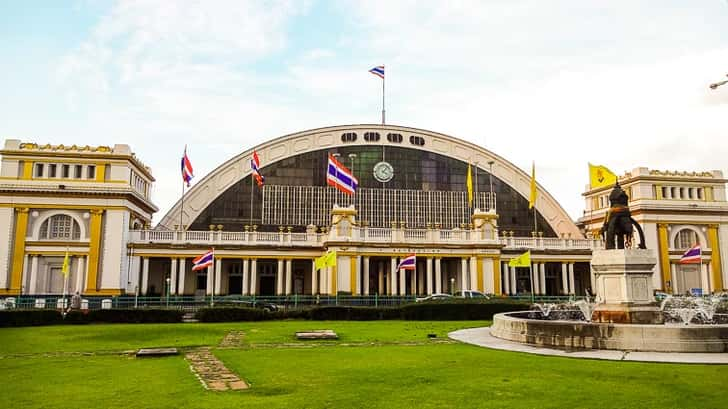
(435, 297)
(471, 294)
(263, 305)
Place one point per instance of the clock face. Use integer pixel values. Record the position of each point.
(383, 172)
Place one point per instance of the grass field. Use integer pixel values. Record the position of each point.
(387, 364)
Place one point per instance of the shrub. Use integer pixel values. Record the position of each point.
(134, 316)
(24, 318)
(455, 311)
(228, 314)
(344, 313)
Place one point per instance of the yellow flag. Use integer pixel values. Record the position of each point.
(469, 184)
(66, 266)
(532, 198)
(331, 259)
(524, 260)
(320, 262)
(601, 176)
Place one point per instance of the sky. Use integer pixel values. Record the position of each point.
(621, 83)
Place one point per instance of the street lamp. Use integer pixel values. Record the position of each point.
(718, 84)
(452, 285)
(490, 181)
(169, 280)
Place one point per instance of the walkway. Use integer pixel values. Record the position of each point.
(481, 337)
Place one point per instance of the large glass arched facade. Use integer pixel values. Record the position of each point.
(414, 170)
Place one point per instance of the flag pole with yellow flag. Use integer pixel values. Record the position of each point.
(469, 184)
(524, 260)
(65, 270)
(600, 176)
(533, 196)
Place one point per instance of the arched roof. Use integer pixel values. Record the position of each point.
(233, 170)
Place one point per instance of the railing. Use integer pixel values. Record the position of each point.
(193, 303)
(366, 234)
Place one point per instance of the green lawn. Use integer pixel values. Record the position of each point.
(386, 364)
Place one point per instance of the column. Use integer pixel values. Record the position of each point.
(506, 279)
(664, 256)
(413, 281)
(402, 282)
(463, 273)
(571, 279)
(279, 277)
(354, 275)
(365, 285)
(218, 276)
(564, 280)
(673, 274)
(716, 282)
(428, 276)
(173, 277)
(21, 228)
(289, 276)
(246, 276)
(210, 279)
(393, 276)
(534, 278)
(33, 275)
(253, 276)
(145, 275)
(380, 282)
(182, 276)
(473, 285)
(514, 282)
(80, 269)
(94, 249)
(542, 285)
(314, 278)
(329, 281)
(438, 274)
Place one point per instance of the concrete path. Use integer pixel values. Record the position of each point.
(212, 372)
(481, 337)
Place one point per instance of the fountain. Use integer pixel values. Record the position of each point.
(626, 317)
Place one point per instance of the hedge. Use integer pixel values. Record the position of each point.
(227, 314)
(23, 318)
(457, 311)
(344, 313)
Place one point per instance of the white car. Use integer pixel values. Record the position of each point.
(435, 297)
(471, 294)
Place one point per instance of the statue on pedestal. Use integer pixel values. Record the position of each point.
(617, 230)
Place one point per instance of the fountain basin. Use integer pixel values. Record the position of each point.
(518, 327)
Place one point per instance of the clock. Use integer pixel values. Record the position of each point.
(383, 172)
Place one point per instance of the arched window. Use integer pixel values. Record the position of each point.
(686, 238)
(60, 227)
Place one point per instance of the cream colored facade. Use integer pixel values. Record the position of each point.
(94, 203)
(80, 200)
(676, 211)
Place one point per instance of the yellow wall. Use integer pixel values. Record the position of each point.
(21, 229)
(664, 257)
(94, 250)
(715, 259)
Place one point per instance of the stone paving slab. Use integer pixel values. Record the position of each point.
(212, 373)
(154, 352)
(481, 337)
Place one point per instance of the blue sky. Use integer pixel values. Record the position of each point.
(553, 82)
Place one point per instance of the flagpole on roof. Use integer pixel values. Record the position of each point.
(182, 201)
(383, 121)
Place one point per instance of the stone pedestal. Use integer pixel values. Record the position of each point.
(624, 286)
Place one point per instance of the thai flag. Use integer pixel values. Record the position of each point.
(408, 263)
(186, 169)
(338, 176)
(693, 255)
(255, 165)
(378, 71)
(203, 261)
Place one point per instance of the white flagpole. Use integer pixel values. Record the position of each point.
(251, 198)
(383, 111)
(184, 180)
(212, 297)
(530, 270)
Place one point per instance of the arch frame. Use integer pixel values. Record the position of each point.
(232, 171)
